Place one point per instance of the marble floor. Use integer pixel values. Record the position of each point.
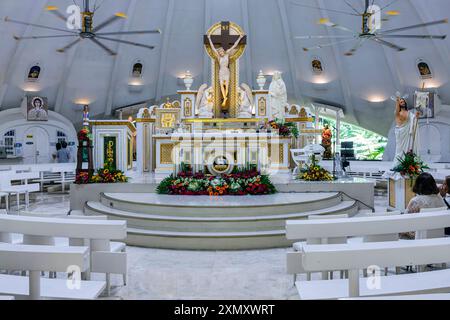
(219, 275)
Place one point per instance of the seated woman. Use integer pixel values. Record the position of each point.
(445, 191)
(427, 197)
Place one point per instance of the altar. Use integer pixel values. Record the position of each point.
(224, 124)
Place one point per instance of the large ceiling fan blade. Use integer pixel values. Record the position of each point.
(416, 26)
(110, 20)
(412, 36)
(136, 44)
(355, 48)
(55, 11)
(328, 23)
(320, 46)
(388, 44)
(129, 32)
(70, 45)
(352, 7)
(7, 19)
(45, 37)
(101, 45)
(322, 37)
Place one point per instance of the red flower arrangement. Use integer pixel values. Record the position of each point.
(238, 183)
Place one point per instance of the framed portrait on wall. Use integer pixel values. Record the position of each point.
(37, 108)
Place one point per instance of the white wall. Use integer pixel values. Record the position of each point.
(13, 119)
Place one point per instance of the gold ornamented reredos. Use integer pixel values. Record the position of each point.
(167, 118)
(302, 113)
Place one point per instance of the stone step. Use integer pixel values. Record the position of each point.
(206, 206)
(208, 240)
(216, 223)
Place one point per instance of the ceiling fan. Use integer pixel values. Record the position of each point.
(87, 30)
(368, 32)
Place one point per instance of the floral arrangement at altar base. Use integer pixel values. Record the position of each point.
(82, 177)
(314, 172)
(107, 174)
(410, 165)
(285, 129)
(239, 183)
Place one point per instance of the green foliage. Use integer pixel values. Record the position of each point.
(163, 187)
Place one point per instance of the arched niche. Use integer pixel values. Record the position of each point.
(424, 70)
(137, 69)
(34, 72)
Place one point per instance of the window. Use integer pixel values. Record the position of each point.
(34, 73)
(367, 144)
(61, 136)
(9, 142)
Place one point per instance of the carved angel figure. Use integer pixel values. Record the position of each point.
(205, 102)
(245, 101)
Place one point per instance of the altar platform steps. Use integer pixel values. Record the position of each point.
(212, 224)
(229, 206)
(225, 226)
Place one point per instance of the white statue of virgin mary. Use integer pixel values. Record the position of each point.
(278, 96)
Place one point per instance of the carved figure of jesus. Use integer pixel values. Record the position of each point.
(223, 57)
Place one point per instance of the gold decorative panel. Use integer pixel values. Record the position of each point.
(262, 107)
(165, 153)
(188, 107)
(280, 147)
(167, 118)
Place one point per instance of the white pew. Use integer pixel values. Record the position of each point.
(44, 258)
(7, 187)
(293, 259)
(430, 296)
(373, 228)
(357, 256)
(92, 230)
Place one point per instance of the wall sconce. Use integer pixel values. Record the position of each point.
(31, 88)
(135, 85)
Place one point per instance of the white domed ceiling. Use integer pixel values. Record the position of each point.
(87, 74)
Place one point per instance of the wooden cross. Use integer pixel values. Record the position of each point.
(225, 39)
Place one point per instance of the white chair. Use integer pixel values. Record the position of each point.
(300, 156)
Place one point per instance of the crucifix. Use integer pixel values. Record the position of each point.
(225, 40)
(227, 43)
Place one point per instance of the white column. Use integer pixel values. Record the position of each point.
(140, 147)
(338, 131)
(317, 124)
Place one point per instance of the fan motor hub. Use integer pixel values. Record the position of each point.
(87, 35)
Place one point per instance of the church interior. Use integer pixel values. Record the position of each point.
(224, 150)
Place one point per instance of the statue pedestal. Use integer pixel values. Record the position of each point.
(400, 193)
